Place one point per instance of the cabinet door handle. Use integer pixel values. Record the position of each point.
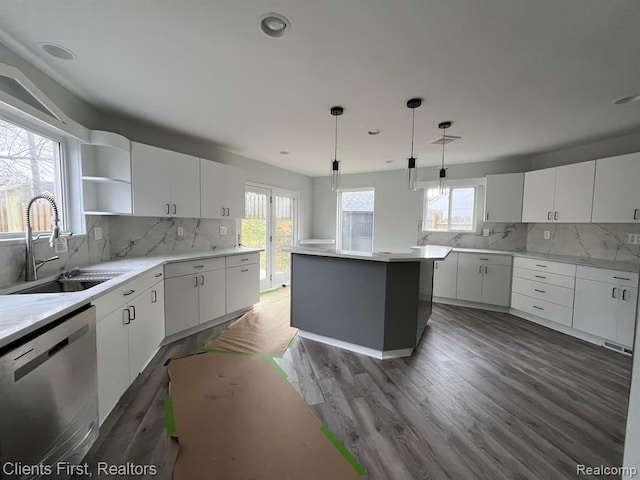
(556, 215)
(635, 213)
(128, 292)
(548, 215)
(485, 259)
(624, 294)
(133, 310)
(175, 209)
(480, 269)
(538, 308)
(539, 291)
(487, 216)
(168, 209)
(486, 269)
(154, 296)
(198, 266)
(244, 259)
(127, 320)
(228, 212)
(613, 292)
(196, 283)
(541, 265)
(539, 276)
(244, 270)
(436, 265)
(222, 211)
(622, 278)
(158, 275)
(201, 280)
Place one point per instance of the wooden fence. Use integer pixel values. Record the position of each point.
(13, 216)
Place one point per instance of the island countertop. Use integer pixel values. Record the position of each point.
(428, 252)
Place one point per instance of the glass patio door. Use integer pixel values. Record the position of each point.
(270, 223)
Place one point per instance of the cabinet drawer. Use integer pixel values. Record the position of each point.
(544, 266)
(541, 308)
(544, 277)
(193, 266)
(244, 259)
(551, 293)
(488, 259)
(616, 277)
(126, 292)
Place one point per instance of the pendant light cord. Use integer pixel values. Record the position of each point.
(335, 152)
(413, 125)
(443, 138)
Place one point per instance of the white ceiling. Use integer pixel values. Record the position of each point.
(517, 77)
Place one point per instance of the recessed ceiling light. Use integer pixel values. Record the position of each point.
(57, 51)
(374, 131)
(629, 99)
(284, 152)
(389, 161)
(274, 25)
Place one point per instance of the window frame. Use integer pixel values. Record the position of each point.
(68, 156)
(339, 193)
(474, 214)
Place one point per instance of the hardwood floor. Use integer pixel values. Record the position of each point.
(486, 395)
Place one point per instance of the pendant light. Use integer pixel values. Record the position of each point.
(442, 171)
(335, 164)
(410, 174)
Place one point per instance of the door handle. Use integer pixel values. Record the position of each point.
(480, 269)
(127, 293)
(175, 209)
(635, 213)
(201, 280)
(548, 215)
(222, 211)
(227, 209)
(624, 294)
(196, 279)
(126, 321)
(436, 264)
(168, 209)
(556, 215)
(487, 216)
(154, 296)
(133, 309)
(613, 292)
(486, 269)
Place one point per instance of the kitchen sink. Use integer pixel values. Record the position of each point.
(75, 280)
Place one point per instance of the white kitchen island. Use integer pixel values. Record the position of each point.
(376, 303)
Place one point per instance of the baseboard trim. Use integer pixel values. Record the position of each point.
(465, 303)
(352, 347)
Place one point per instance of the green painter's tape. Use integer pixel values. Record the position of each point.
(353, 461)
(282, 373)
(214, 337)
(292, 341)
(169, 416)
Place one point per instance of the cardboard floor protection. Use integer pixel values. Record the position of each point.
(265, 329)
(236, 417)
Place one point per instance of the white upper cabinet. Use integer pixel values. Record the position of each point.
(503, 199)
(561, 194)
(537, 202)
(221, 190)
(165, 183)
(616, 197)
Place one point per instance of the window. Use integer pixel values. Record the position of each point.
(29, 165)
(355, 220)
(452, 210)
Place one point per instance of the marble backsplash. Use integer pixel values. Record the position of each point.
(82, 250)
(146, 236)
(606, 241)
(502, 236)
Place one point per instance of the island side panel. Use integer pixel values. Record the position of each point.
(425, 303)
(339, 298)
(401, 313)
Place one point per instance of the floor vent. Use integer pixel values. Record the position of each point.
(618, 348)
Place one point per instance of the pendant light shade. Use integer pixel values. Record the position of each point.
(335, 164)
(411, 174)
(442, 171)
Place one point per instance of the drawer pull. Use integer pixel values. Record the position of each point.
(538, 308)
(158, 275)
(128, 292)
(556, 215)
(485, 259)
(540, 276)
(198, 266)
(202, 279)
(480, 269)
(539, 291)
(624, 295)
(244, 270)
(548, 215)
(244, 259)
(622, 278)
(635, 214)
(541, 265)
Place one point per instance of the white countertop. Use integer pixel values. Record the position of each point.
(429, 252)
(22, 314)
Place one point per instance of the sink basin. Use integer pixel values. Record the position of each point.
(74, 281)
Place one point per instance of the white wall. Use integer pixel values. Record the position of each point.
(397, 211)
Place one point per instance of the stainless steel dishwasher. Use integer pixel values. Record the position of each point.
(48, 395)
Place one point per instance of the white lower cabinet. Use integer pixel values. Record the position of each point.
(195, 297)
(605, 304)
(127, 338)
(445, 276)
(484, 278)
(243, 286)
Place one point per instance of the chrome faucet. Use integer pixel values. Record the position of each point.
(31, 265)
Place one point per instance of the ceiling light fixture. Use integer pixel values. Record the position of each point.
(629, 99)
(335, 164)
(442, 171)
(57, 51)
(410, 174)
(284, 152)
(274, 25)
